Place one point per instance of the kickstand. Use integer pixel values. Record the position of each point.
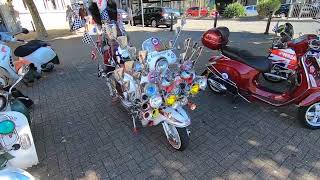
(135, 129)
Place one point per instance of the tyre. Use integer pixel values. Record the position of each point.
(154, 23)
(177, 137)
(215, 86)
(47, 67)
(310, 115)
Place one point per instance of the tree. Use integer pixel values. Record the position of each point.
(41, 30)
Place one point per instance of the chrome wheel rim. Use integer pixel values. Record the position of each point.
(312, 115)
(173, 136)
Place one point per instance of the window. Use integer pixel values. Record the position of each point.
(157, 10)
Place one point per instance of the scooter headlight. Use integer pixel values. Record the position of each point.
(155, 102)
(195, 88)
(151, 90)
(162, 65)
(171, 99)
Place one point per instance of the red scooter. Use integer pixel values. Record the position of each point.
(239, 71)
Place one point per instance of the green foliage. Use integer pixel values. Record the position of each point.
(234, 10)
(265, 6)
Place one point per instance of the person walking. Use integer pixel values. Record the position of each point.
(83, 16)
(69, 16)
(130, 16)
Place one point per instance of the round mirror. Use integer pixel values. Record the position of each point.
(6, 127)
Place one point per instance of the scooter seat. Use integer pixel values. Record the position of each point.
(259, 63)
(29, 48)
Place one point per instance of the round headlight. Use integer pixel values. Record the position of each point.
(156, 102)
(170, 100)
(3, 102)
(151, 90)
(195, 88)
(162, 65)
(202, 81)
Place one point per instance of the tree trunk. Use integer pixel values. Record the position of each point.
(41, 31)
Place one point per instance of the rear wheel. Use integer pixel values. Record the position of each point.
(177, 137)
(310, 115)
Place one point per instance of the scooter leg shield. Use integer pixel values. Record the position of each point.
(177, 117)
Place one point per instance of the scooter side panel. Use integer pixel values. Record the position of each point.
(26, 156)
(5, 54)
(311, 99)
(239, 73)
(41, 56)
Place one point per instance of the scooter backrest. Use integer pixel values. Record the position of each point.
(216, 38)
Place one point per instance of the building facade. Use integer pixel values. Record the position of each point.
(52, 13)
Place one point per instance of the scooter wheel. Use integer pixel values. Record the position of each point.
(308, 115)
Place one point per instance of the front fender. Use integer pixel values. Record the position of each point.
(312, 98)
(177, 117)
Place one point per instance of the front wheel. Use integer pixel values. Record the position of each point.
(177, 137)
(310, 115)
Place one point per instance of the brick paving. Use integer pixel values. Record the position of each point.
(77, 130)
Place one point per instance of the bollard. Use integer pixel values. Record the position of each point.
(171, 22)
(268, 24)
(215, 19)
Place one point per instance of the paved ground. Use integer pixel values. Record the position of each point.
(77, 129)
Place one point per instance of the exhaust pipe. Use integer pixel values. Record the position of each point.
(275, 76)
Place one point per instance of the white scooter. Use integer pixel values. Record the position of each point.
(15, 135)
(36, 53)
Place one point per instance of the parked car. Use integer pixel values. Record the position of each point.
(251, 10)
(194, 11)
(283, 11)
(155, 16)
(124, 15)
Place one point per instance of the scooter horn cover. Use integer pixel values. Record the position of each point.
(216, 38)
